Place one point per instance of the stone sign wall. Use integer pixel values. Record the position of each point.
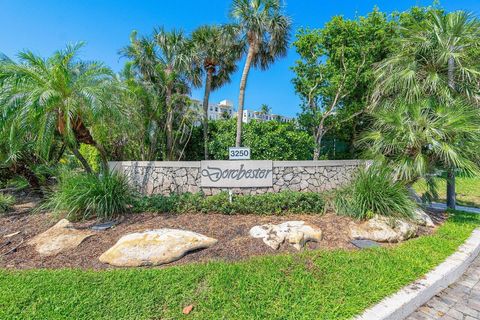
(163, 177)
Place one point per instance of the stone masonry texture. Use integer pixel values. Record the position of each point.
(167, 178)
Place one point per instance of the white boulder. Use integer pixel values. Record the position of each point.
(295, 233)
(383, 229)
(422, 218)
(58, 238)
(154, 247)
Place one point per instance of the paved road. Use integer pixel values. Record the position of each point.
(460, 301)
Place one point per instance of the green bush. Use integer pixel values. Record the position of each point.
(268, 203)
(6, 202)
(83, 196)
(269, 140)
(373, 192)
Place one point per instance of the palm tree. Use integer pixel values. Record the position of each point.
(435, 58)
(265, 109)
(59, 96)
(217, 51)
(417, 138)
(165, 64)
(266, 31)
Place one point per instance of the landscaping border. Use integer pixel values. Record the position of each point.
(401, 304)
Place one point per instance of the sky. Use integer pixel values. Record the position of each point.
(44, 26)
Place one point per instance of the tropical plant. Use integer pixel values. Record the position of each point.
(6, 202)
(268, 140)
(265, 109)
(84, 196)
(266, 30)
(217, 49)
(59, 98)
(165, 64)
(374, 191)
(416, 139)
(436, 57)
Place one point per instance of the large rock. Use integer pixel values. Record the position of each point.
(58, 238)
(295, 233)
(422, 218)
(383, 229)
(154, 247)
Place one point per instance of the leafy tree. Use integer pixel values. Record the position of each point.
(334, 74)
(60, 97)
(436, 57)
(217, 49)
(266, 30)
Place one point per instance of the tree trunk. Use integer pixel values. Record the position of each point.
(451, 201)
(82, 160)
(206, 97)
(103, 156)
(168, 99)
(29, 175)
(241, 96)
(451, 197)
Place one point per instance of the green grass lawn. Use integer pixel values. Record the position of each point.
(468, 191)
(309, 285)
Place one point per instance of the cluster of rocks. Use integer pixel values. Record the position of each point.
(151, 179)
(156, 247)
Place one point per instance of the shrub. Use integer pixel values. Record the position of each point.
(268, 140)
(6, 202)
(268, 203)
(373, 192)
(83, 196)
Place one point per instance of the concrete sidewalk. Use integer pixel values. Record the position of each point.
(443, 206)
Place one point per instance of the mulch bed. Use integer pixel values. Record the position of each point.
(234, 242)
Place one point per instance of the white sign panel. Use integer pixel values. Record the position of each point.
(237, 174)
(235, 153)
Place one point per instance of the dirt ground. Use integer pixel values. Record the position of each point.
(234, 242)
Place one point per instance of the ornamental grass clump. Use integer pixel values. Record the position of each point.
(85, 196)
(6, 203)
(374, 192)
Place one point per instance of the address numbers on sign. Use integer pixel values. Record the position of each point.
(235, 153)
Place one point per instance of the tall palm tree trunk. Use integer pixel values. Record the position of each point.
(451, 197)
(206, 98)
(241, 97)
(169, 124)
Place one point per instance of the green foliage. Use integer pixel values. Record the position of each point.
(84, 196)
(58, 99)
(269, 140)
(269, 203)
(374, 192)
(6, 202)
(334, 76)
(417, 139)
(92, 156)
(346, 282)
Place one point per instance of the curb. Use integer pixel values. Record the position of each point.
(401, 304)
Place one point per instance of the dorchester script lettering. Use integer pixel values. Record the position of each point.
(232, 174)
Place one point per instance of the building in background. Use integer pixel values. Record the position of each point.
(220, 111)
(225, 110)
(249, 115)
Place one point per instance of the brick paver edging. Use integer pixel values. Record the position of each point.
(407, 300)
